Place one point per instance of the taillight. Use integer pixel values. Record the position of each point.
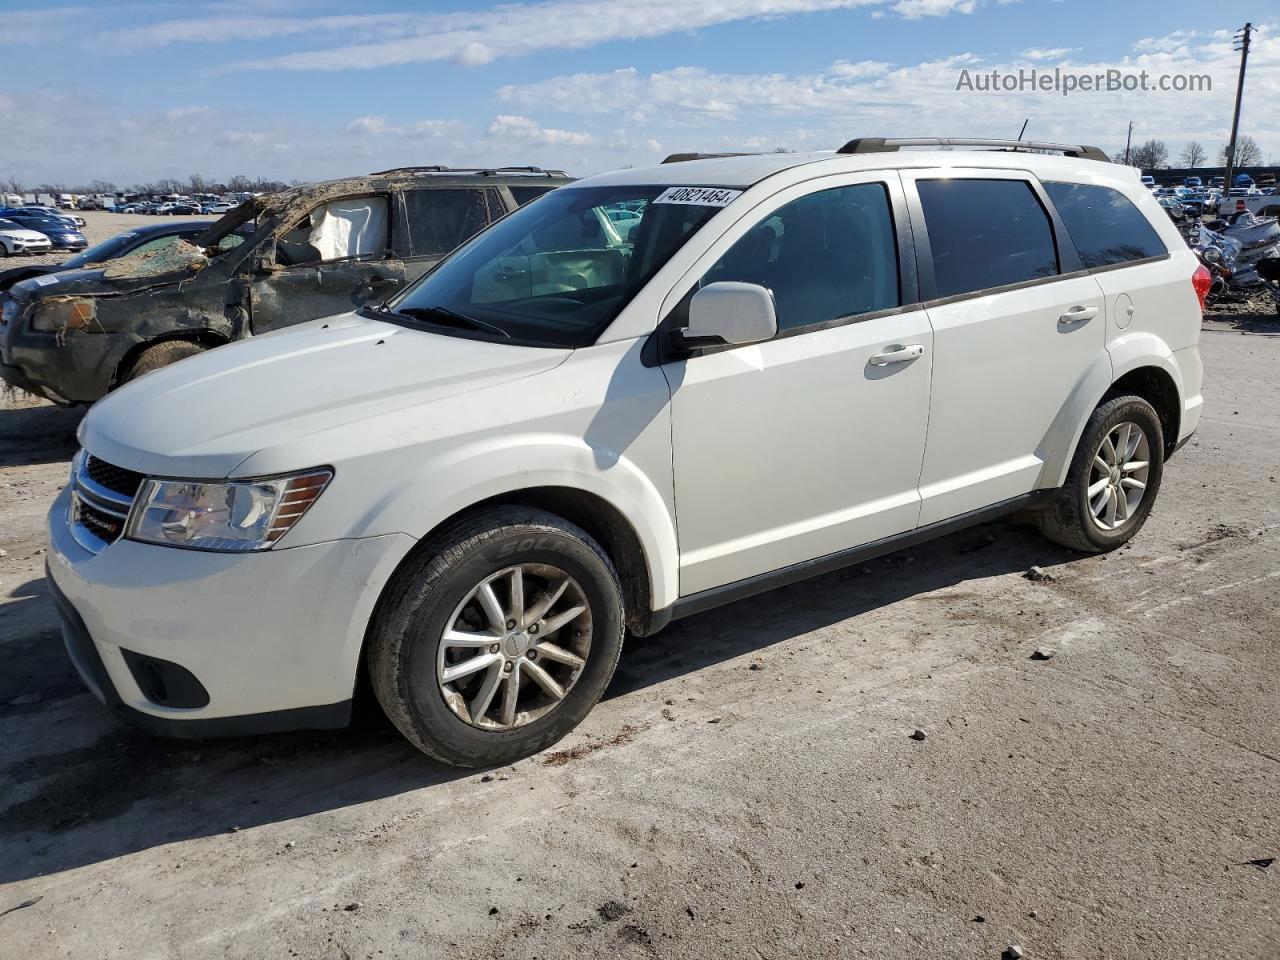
(1202, 280)
(1239, 205)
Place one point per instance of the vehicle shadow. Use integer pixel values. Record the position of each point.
(85, 789)
(38, 434)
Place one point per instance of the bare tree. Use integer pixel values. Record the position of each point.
(1248, 153)
(1152, 155)
(1192, 155)
(13, 185)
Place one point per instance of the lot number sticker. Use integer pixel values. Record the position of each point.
(45, 280)
(701, 196)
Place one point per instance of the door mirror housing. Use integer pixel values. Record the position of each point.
(729, 313)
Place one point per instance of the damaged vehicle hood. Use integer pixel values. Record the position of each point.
(147, 269)
(205, 416)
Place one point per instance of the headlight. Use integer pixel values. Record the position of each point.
(8, 311)
(228, 517)
(64, 313)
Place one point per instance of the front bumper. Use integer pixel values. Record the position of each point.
(79, 370)
(272, 639)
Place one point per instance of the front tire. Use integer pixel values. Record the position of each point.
(160, 355)
(498, 638)
(1113, 480)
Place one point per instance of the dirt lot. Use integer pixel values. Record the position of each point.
(749, 788)
(99, 225)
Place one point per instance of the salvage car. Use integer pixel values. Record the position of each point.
(139, 240)
(313, 251)
(467, 494)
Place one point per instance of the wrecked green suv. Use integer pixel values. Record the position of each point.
(276, 260)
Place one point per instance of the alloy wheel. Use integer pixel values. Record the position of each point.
(1118, 475)
(514, 647)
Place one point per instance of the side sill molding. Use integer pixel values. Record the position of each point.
(741, 589)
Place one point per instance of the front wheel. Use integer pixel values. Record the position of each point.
(499, 638)
(1113, 480)
(160, 355)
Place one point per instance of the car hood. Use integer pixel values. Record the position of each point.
(205, 416)
(60, 283)
(22, 233)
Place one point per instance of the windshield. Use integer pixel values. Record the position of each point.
(557, 271)
(8, 225)
(106, 250)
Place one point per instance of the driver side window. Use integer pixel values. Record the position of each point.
(826, 256)
(338, 230)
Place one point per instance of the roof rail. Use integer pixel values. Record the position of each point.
(682, 157)
(479, 171)
(882, 145)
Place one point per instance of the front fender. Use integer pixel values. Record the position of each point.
(481, 471)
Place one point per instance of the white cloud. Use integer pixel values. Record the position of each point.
(379, 126)
(478, 37)
(690, 107)
(510, 127)
(1051, 53)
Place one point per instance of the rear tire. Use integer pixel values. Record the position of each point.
(1097, 509)
(160, 355)
(410, 658)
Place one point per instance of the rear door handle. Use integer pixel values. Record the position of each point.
(898, 353)
(1078, 315)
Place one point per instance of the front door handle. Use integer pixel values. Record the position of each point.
(898, 353)
(1078, 315)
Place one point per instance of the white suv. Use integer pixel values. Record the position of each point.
(570, 428)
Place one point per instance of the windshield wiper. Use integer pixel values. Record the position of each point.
(450, 317)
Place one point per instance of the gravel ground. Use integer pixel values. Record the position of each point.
(98, 226)
(749, 788)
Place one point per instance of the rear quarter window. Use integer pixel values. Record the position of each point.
(1104, 224)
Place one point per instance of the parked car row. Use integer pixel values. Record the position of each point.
(61, 232)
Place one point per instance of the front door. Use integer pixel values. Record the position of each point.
(338, 257)
(810, 443)
(1017, 324)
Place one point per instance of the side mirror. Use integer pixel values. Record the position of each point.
(729, 313)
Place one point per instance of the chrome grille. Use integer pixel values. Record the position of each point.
(113, 478)
(101, 497)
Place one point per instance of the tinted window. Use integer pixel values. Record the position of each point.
(831, 254)
(1105, 227)
(523, 195)
(440, 220)
(986, 233)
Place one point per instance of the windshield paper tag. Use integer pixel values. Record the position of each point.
(45, 280)
(701, 196)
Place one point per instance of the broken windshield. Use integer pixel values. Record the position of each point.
(557, 271)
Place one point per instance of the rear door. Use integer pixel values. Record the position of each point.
(1016, 321)
(441, 219)
(337, 257)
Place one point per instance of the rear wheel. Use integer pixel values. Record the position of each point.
(1113, 480)
(499, 638)
(160, 355)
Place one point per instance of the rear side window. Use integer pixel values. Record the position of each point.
(986, 233)
(829, 255)
(440, 220)
(1104, 225)
(523, 195)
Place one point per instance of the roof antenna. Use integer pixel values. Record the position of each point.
(1024, 128)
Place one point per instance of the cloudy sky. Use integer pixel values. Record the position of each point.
(134, 90)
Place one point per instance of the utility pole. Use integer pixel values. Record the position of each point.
(1127, 141)
(1242, 44)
